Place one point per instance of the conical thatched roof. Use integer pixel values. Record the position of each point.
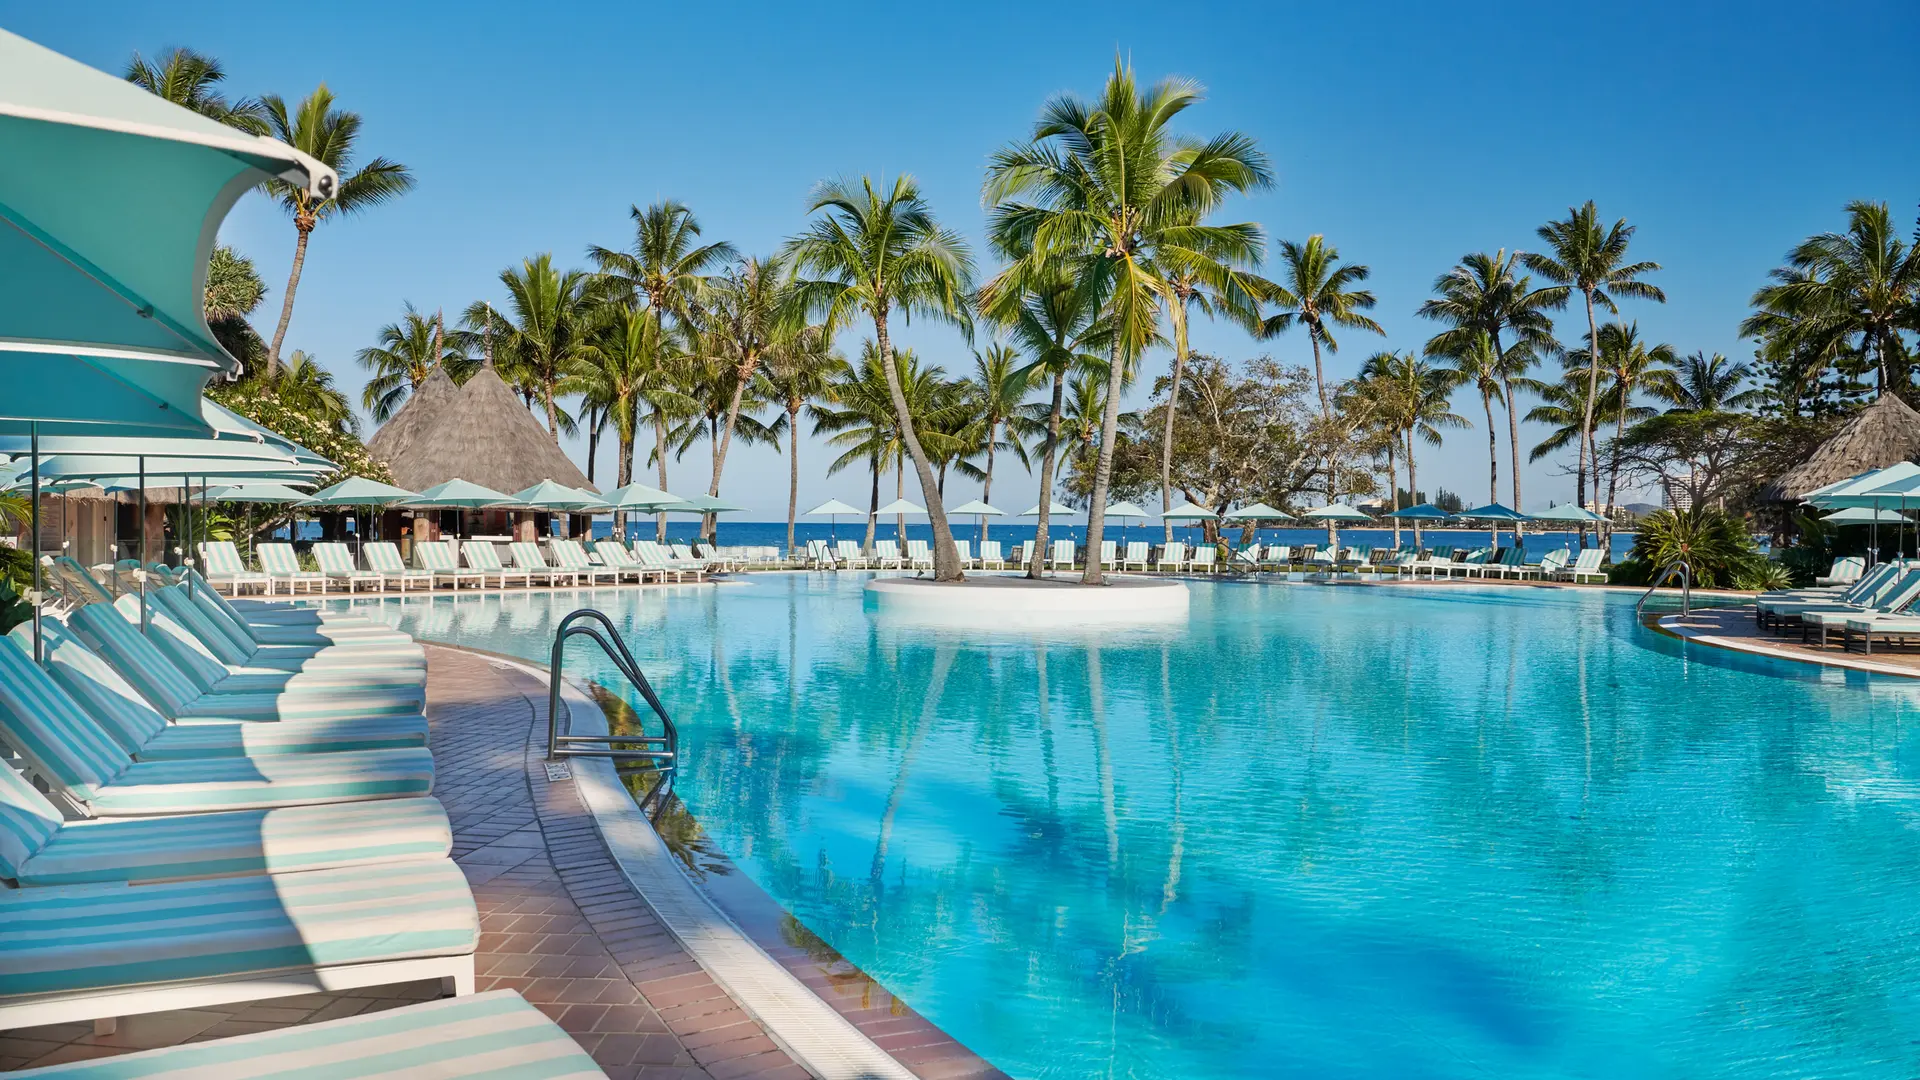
(481, 432)
(1873, 438)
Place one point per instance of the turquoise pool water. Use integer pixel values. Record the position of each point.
(1447, 832)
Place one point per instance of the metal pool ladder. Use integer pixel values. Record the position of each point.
(1685, 570)
(642, 752)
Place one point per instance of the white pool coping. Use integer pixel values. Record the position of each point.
(1671, 624)
(823, 1041)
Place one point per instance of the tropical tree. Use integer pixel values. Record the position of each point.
(1482, 295)
(858, 415)
(304, 385)
(192, 80)
(1107, 190)
(995, 395)
(1478, 367)
(666, 270)
(1585, 257)
(1849, 294)
(1051, 316)
(743, 324)
(542, 330)
(1417, 394)
(1316, 292)
(1631, 365)
(1702, 383)
(321, 131)
(622, 364)
(800, 373)
(712, 383)
(233, 291)
(408, 352)
(875, 253)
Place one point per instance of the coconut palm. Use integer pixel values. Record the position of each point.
(1478, 367)
(860, 416)
(712, 381)
(875, 253)
(306, 387)
(1418, 400)
(328, 134)
(743, 323)
(1051, 315)
(1482, 295)
(1316, 292)
(1851, 292)
(409, 351)
(1369, 401)
(1631, 365)
(800, 371)
(994, 395)
(192, 80)
(1584, 257)
(1702, 383)
(623, 363)
(1107, 189)
(666, 270)
(541, 330)
(1564, 408)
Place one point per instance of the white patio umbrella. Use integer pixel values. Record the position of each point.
(1333, 514)
(899, 508)
(981, 510)
(831, 510)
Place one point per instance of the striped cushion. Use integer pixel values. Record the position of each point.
(480, 555)
(51, 731)
(27, 822)
(267, 705)
(88, 937)
(217, 640)
(191, 656)
(248, 738)
(109, 700)
(495, 1034)
(138, 660)
(222, 557)
(241, 842)
(198, 786)
(178, 644)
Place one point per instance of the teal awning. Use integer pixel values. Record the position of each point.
(110, 202)
(256, 493)
(79, 466)
(898, 507)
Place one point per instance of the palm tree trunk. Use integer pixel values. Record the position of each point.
(793, 473)
(744, 373)
(1326, 420)
(986, 489)
(1593, 392)
(1513, 445)
(873, 504)
(623, 476)
(547, 381)
(1177, 311)
(1493, 463)
(1393, 485)
(1037, 566)
(1613, 468)
(1103, 467)
(713, 442)
(1413, 485)
(660, 458)
(303, 228)
(946, 558)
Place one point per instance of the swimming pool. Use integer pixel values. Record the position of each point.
(1420, 831)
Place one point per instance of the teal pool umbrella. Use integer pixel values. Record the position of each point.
(1568, 512)
(1257, 512)
(639, 497)
(458, 494)
(831, 510)
(1336, 512)
(1186, 511)
(1422, 512)
(1495, 513)
(355, 492)
(1860, 515)
(704, 505)
(898, 509)
(110, 198)
(547, 495)
(1052, 509)
(1125, 512)
(256, 493)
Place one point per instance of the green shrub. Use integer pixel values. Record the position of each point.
(16, 566)
(14, 608)
(1762, 575)
(1715, 543)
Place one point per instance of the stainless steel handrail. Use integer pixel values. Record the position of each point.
(1678, 566)
(660, 753)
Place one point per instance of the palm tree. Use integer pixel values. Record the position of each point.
(1052, 316)
(192, 80)
(409, 351)
(996, 391)
(306, 387)
(619, 367)
(1851, 292)
(543, 329)
(743, 324)
(1419, 400)
(875, 253)
(858, 414)
(1630, 365)
(666, 270)
(328, 134)
(1479, 367)
(1315, 292)
(1370, 401)
(1120, 198)
(712, 382)
(1702, 383)
(1591, 260)
(1482, 295)
(800, 372)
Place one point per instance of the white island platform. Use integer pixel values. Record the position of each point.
(1015, 602)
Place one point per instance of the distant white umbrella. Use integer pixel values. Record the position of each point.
(899, 508)
(1052, 508)
(832, 509)
(978, 507)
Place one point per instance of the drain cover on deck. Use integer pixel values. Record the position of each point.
(558, 770)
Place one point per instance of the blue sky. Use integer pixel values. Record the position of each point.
(1409, 134)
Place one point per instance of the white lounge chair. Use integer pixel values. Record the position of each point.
(384, 559)
(1026, 554)
(571, 556)
(850, 555)
(1109, 555)
(482, 557)
(1136, 555)
(436, 558)
(654, 555)
(337, 563)
(1277, 557)
(886, 555)
(1173, 556)
(1203, 559)
(614, 555)
(1062, 556)
(1585, 566)
(279, 563)
(225, 567)
(990, 557)
(918, 556)
(964, 549)
(1844, 571)
(526, 557)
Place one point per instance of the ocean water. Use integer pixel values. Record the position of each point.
(1444, 831)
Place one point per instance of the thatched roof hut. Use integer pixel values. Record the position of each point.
(1877, 436)
(480, 432)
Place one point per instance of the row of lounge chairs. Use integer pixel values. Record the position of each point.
(453, 564)
(236, 805)
(1177, 557)
(1876, 605)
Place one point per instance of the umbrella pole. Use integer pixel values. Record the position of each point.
(33, 543)
(142, 574)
